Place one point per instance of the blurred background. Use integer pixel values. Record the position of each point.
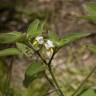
(73, 63)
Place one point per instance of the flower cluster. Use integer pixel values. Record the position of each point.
(46, 43)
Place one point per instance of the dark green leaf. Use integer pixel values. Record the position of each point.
(92, 48)
(28, 80)
(73, 37)
(34, 68)
(35, 28)
(32, 71)
(9, 51)
(89, 92)
(10, 37)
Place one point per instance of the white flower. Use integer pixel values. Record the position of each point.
(40, 39)
(49, 44)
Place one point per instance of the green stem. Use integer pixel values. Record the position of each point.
(55, 82)
(52, 75)
(82, 84)
(49, 66)
(49, 80)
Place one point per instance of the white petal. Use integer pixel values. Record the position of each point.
(49, 44)
(40, 39)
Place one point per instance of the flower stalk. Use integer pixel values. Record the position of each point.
(49, 68)
(55, 81)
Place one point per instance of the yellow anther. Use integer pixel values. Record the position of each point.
(35, 42)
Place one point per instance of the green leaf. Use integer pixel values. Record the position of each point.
(10, 37)
(53, 36)
(91, 8)
(32, 72)
(9, 52)
(73, 37)
(92, 48)
(34, 68)
(40, 28)
(35, 28)
(89, 92)
(24, 49)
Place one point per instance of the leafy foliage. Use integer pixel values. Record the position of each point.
(53, 36)
(12, 37)
(36, 39)
(9, 52)
(73, 37)
(32, 72)
(35, 28)
(89, 92)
